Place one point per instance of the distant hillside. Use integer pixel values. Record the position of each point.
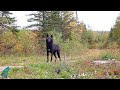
(101, 32)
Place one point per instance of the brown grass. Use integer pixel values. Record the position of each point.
(84, 64)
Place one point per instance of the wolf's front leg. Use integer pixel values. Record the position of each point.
(47, 56)
(51, 56)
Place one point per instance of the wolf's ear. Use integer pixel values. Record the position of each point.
(47, 35)
(51, 36)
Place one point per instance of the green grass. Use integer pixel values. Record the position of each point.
(108, 56)
(41, 71)
(35, 67)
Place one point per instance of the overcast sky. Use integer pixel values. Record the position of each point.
(96, 20)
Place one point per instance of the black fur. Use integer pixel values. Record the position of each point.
(52, 48)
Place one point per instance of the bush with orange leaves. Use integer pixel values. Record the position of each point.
(7, 42)
(24, 42)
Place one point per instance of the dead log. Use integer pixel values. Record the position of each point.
(101, 62)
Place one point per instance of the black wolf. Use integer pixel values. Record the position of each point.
(52, 48)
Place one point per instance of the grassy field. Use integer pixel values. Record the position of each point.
(35, 67)
(73, 67)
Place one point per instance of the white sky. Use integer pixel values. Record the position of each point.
(96, 20)
(99, 20)
(22, 17)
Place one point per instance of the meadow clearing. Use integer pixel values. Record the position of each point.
(77, 67)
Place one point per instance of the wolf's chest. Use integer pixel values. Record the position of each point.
(48, 50)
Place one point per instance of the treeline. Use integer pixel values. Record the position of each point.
(68, 33)
(114, 36)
